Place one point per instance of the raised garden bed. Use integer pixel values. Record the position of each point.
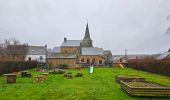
(128, 78)
(145, 88)
(60, 71)
(68, 75)
(79, 75)
(25, 74)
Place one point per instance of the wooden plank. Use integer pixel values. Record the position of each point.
(161, 91)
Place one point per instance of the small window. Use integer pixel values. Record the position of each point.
(82, 60)
(100, 62)
(41, 57)
(29, 59)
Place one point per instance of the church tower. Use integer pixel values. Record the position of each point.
(87, 41)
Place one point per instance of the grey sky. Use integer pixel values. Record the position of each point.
(137, 25)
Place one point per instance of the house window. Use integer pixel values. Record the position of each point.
(29, 59)
(41, 57)
(88, 61)
(100, 62)
(82, 60)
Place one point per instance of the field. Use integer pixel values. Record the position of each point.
(100, 85)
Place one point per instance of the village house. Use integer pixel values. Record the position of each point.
(79, 53)
(36, 53)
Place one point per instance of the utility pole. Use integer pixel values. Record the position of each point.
(168, 29)
(126, 55)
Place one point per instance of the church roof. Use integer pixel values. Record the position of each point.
(92, 51)
(87, 33)
(71, 43)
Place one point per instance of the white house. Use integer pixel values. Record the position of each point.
(37, 53)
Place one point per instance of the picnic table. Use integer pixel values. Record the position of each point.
(45, 75)
(11, 78)
(39, 78)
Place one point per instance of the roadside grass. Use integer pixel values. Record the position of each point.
(100, 85)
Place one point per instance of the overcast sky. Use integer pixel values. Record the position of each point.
(136, 25)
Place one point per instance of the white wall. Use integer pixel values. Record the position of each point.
(36, 57)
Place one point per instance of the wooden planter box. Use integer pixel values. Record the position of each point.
(57, 72)
(145, 89)
(128, 78)
(11, 78)
(25, 74)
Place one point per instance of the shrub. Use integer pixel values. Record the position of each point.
(14, 66)
(63, 66)
(151, 65)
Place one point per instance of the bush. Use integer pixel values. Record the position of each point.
(63, 66)
(151, 65)
(15, 66)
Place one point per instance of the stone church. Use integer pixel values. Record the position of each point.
(80, 53)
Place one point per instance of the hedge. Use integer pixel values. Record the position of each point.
(15, 66)
(154, 66)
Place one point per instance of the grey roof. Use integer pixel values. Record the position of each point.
(36, 50)
(163, 56)
(92, 51)
(59, 55)
(71, 43)
(56, 50)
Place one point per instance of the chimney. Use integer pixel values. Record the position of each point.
(65, 39)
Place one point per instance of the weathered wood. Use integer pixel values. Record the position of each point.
(128, 78)
(39, 78)
(11, 78)
(45, 75)
(25, 74)
(145, 88)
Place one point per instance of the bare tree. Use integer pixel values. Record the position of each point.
(12, 47)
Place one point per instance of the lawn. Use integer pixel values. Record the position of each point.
(100, 85)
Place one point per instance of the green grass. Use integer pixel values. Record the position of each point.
(100, 85)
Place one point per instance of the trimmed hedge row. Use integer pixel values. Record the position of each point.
(15, 66)
(153, 66)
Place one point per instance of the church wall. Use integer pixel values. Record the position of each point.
(58, 61)
(97, 58)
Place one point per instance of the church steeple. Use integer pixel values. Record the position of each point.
(87, 42)
(87, 33)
